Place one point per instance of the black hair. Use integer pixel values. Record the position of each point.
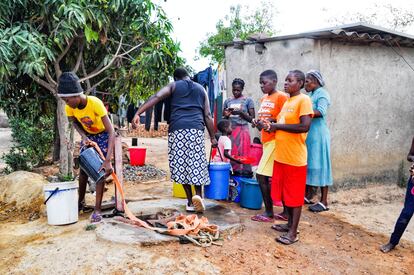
(256, 140)
(238, 81)
(180, 73)
(269, 74)
(299, 76)
(223, 124)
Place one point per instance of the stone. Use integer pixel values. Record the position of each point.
(22, 188)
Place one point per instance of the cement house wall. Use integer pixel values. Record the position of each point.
(371, 117)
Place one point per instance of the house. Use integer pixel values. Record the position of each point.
(369, 73)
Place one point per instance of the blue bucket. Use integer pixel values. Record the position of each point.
(235, 188)
(251, 196)
(218, 189)
(90, 162)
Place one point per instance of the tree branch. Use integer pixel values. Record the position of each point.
(44, 84)
(65, 51)
(107, 66)
(97, 84)
(88, 83)
(49, 77)
(80, 56)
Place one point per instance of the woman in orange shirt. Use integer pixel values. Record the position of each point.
(289, 170)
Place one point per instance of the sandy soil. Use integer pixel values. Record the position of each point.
(342, 240)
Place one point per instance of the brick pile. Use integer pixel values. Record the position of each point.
(141, 132)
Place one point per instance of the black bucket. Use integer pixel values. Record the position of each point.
(90, 162)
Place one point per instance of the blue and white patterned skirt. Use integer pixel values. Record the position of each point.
(187, 157)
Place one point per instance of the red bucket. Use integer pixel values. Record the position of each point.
(137, 156)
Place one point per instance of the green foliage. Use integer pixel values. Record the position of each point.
(34, 35)
(33, 142)
(235, 25)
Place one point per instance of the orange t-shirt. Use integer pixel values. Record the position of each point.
(270, 107)
(291, 147)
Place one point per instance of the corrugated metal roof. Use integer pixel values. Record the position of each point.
(353, 33)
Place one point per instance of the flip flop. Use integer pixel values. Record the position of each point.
(308, 201)
(95, 218)
(261, 218)
(281, 217)
(284, 239)
(198, 204)
(318, 207)
(280, 227)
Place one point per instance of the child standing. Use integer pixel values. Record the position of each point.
(289, 170)
(224, 143)
(406, 213)
(90, 119)
(270, 107)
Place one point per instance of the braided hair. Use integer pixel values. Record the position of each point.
(238, 81)
(299, 76)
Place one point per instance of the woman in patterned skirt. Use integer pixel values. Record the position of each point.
(190, 113)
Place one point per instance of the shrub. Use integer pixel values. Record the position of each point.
(33, 142)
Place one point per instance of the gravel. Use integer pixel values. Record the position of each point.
(142, 173)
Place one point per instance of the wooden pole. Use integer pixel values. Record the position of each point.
(118, 171)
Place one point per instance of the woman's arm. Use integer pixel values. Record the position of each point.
(227, 155)
(321, 108)
(410, 156)
(208, 120)
(301, 127)
(153, 100)
(107, 166)
(78, 127)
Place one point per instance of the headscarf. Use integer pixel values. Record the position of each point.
(316, 74)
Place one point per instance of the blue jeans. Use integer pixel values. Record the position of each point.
(405, 216)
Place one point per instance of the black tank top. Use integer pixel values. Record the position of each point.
(187, 106)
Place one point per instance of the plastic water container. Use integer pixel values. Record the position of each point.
(137, 156)
(218, 189)
(251, 196)
(90, 162)
(256, 151)
(235, 188)
(178, 190)
(62, 202)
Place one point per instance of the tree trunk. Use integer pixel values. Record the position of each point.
(56, 140)
(65, 141)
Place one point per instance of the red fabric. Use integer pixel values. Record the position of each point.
(240, 142)
(256, 151)
(288, 184)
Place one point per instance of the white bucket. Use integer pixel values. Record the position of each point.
(62, 206)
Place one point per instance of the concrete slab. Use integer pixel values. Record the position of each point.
(118, 232)
(115, 231)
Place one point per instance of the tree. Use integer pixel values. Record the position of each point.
(236, 26)
(116, 46)
(384, 15)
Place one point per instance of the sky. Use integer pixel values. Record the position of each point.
(194, 19)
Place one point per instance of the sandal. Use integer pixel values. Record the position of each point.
(284, 239)
(85, 209)
(95, 218)
(385, 248)
(281, 217)
(261, 218)
(308, 201)
(318, 207)
(198, 204)
(280, 227)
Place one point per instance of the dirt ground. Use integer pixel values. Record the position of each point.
(342, 240)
